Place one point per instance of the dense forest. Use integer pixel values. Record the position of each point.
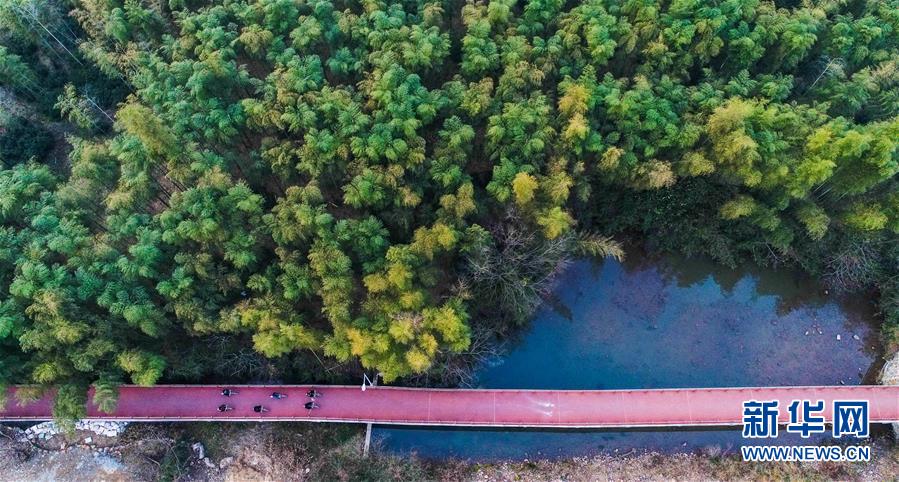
(240, 189)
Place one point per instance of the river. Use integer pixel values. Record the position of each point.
(664, 323)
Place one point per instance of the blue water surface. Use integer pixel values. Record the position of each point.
(662, 324)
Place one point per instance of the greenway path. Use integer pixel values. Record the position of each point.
(457, 407)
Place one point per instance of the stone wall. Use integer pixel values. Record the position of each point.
(96, 433)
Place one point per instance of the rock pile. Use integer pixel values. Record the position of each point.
(47, 430)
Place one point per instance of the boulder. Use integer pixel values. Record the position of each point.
(199, 450)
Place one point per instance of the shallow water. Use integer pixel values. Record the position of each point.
(663, 323)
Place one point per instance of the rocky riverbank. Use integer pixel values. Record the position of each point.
(262, 452)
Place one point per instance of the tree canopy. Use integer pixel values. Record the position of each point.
(340, 176)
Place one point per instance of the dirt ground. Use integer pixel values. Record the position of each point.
(299, 452)
(72, 464)
(686, 467)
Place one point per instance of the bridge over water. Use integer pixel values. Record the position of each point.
(681, 407)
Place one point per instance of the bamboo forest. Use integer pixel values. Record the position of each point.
(304, 190)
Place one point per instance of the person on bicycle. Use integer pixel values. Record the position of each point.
(259, 409)
(224, 408)
(311, 405)
(313, 394)
(228, 392)
(278, 395)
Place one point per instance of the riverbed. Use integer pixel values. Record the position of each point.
(664, 322)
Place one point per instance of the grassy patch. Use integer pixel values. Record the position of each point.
(346, 463)
(216, 437)
(175, 464)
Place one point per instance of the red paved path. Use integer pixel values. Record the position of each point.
(510, 408)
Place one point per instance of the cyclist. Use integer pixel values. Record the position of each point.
(224, 408)
(313, 394)
(259, 409)
(278, 395)
(311, 405)
(228, 392)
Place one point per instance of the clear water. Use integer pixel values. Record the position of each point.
(663, 324)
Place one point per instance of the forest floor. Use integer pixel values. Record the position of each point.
(297, 451)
